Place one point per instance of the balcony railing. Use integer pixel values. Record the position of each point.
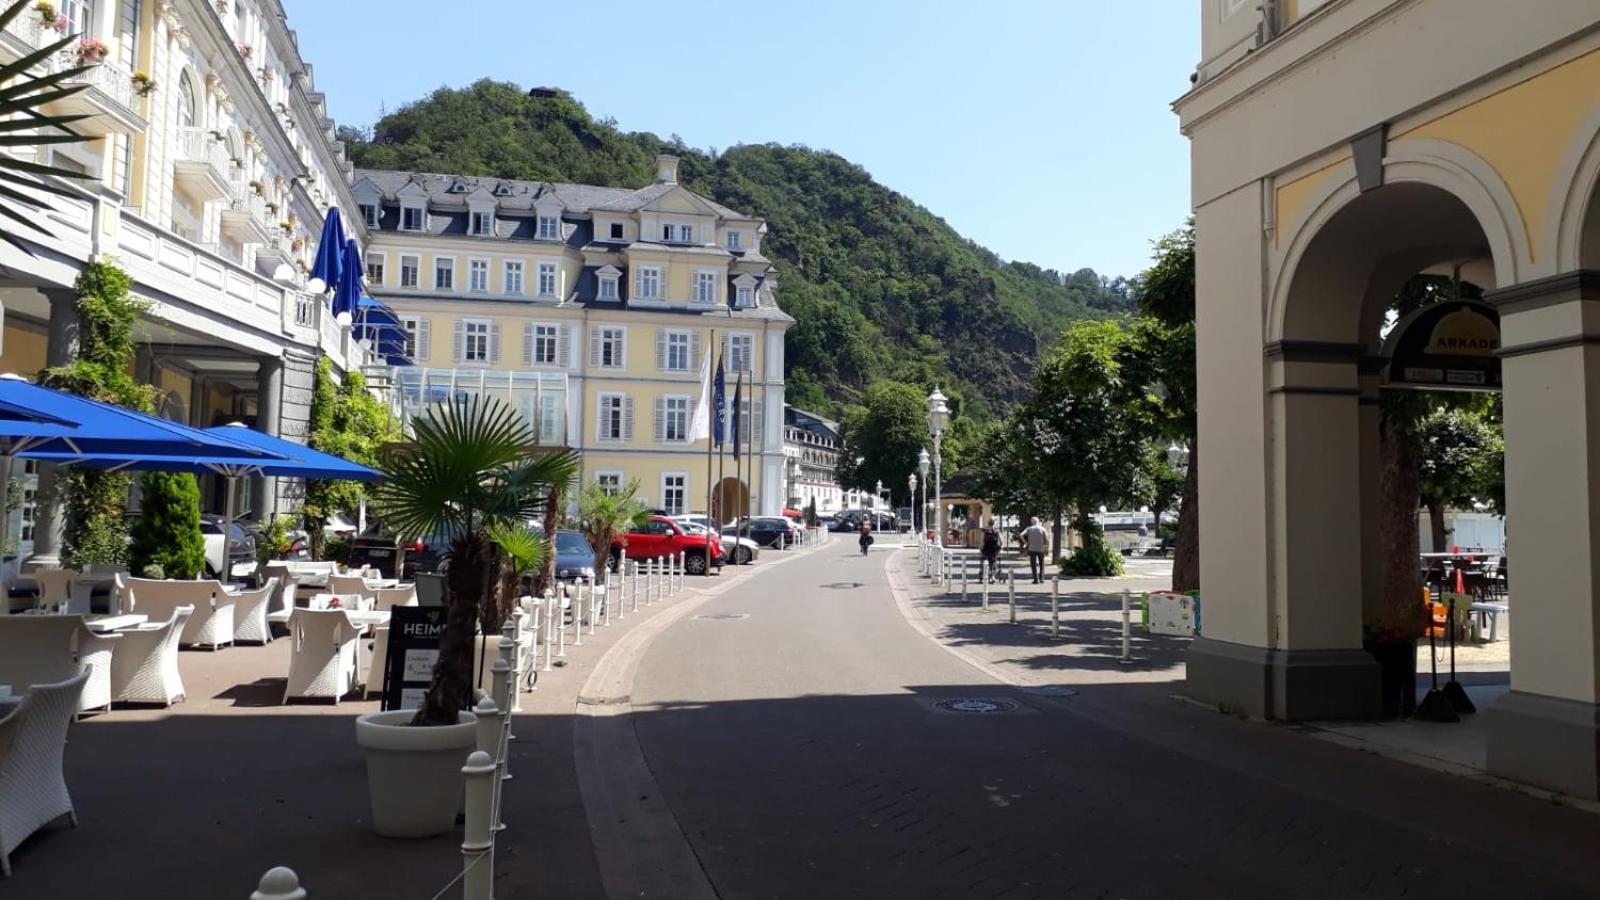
(199, 145)
(110, 98)
(539, 398)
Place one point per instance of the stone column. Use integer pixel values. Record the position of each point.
(1547, 729)
(269, 407)
(61, 348)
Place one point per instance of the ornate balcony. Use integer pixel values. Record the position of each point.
(202, 165)
(245, 218)
(110, 101)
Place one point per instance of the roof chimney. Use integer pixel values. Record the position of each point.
(666, 169)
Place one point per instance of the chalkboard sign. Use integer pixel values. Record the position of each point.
(415, 633)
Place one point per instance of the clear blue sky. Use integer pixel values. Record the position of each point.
(1039, 128)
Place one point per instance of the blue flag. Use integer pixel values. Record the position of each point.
(738, 389)
(719, 404)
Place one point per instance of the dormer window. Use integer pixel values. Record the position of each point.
(608, 277)
(735, 240)
(682, 234)
(616, 231)
(744, 298)
(369, 214)
(481, 223)
(549, 228)
(411, 218)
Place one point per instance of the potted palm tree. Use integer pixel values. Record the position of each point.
(469, 471)
(604, 514)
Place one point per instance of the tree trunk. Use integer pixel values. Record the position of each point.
(545, 578)
(1186, 550)
(1398, 613)
(452, 675)
(1436, 525)
(1057, 535)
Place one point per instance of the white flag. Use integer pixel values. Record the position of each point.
(700, 427)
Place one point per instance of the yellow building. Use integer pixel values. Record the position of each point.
(591, 309)
(1341, 148)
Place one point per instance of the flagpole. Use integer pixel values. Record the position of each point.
(749, 500)
(738, 457)
(710, 439)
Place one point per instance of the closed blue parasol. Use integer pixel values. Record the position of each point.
(328, 267)
(349, 288)
(378, 323)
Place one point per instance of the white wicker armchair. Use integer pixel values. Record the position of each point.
(288, 584)
(322, 662)
(145, 667)
(48, 649)
(250, 613)
(33, 787)
(63, 591)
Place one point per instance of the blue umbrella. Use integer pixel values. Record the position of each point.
(347, 293)
(43, 423)
(379, 324)
(278, 457)
(329, 264)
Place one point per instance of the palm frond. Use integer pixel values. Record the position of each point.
(525, 546)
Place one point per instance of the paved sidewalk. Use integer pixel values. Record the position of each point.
(1089, 648)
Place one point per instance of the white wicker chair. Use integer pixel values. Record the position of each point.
(379, 659)
(33, 787)
(48, 649)
(145, 667)
(212, 623)
(388, 598)
(250, 613)
(288, 584)
(322, 662)
(63, 591)
(349, 584)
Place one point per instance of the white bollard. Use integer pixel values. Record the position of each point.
(588, 584)
(679, 585)
(550, 614)
(1055, 606)
(500, 683)
(561, 626)
(1127, 641)
(1011, 593)
(605, 606)
(477, 848)
(280, 883)
(964, 568)
(577, 614)
(985, 583)
(510, 635)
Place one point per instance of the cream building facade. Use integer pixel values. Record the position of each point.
(591, 309)
(1339, 148)
(208, 190)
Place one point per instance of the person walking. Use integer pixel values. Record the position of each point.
(1036, 541)
(991, 551)
(866, 536)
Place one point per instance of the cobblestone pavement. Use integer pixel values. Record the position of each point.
(794, 725)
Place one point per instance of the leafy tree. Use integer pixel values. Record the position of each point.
(95, 503)
(881, 289)
(1166, 298)
(469, 471)
(1459, 460)
(347, 421)
(603, 515)
(885, 434)
(167, 533)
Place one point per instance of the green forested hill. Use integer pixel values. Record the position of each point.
(880, 287)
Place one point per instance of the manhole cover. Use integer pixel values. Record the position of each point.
(978, 705)
(843, 585)
(1053, 690)
(717, 617)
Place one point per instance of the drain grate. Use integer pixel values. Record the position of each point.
(843, 586)
(1052, 690)
(982, 706)
(718, 617)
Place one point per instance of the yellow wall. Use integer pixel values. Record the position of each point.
(23, 352)
(1525, 133)
(649, 469)
(1293, 196)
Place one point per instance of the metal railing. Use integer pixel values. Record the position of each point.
(200, 145)
(27, 32)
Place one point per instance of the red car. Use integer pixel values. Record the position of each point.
(660, 537)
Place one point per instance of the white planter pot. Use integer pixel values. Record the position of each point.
(414, 774)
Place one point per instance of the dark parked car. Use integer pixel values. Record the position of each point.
(768, 531)
(380, 551)
(574, 556)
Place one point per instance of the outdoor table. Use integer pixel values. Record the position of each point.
(364, 618)
(103, 624)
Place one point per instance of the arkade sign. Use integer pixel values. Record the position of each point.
(1447, 346)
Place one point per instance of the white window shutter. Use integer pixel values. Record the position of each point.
(694, 351)
(527, 343)
(594, 347)
(424, 339)
(627, 418)
(661, 349)
(757, 421)
(661, 419)
(563, 346)
(461, 341)
(722, 353)
(602, 420)
(494, 343)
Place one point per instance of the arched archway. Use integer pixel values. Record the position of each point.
(729, 499)
(1285, 584)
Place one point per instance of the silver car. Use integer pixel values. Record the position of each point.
(737, 550)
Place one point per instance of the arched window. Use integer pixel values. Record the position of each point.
(188, 111)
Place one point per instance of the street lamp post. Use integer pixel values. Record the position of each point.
(938, 418)
(923, 463)
(911, 497)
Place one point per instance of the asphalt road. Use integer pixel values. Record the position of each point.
(792, 727)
